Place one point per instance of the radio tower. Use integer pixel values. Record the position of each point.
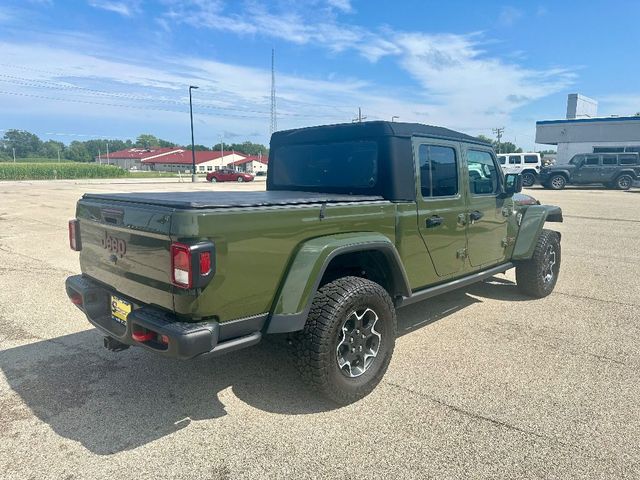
(274, 121)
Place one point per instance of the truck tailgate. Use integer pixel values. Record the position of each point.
(127, 248)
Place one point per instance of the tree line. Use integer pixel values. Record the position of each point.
(29, 145)
(508, 147)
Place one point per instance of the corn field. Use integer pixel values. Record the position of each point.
(58, 171)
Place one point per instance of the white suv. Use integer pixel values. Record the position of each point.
(527, 164)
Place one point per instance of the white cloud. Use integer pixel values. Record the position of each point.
(619, 104)
(126, 9)
(342, 5)
(510, 15)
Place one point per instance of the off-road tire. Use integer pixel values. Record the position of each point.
(316, 346)
(530, 274)
(528, 179)
(557, 182)
(623, 182)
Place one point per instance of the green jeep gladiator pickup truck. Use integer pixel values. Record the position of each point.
(357, 220)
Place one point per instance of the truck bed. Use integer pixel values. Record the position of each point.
(201, 200)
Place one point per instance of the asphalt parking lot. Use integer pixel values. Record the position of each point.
(484, 382)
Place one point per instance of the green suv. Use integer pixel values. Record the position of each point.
(357, 221)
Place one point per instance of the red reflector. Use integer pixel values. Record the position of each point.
(143, 337)
(205, 263)
(76, 299)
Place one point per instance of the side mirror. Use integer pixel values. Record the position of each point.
(512, 184)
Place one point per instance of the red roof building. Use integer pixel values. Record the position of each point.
(251, 164)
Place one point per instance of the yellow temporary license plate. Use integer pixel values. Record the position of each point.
(120, 309)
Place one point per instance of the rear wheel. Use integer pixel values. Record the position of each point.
(348, 340)
(528, 179)
(557, 182)
(537, 276)
(624, 182)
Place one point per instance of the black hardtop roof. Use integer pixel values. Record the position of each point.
(351, 131)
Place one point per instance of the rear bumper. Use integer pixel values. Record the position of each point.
(158, 330)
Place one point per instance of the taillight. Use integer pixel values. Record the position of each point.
(192, 266)
(74, 235)
(181, 274)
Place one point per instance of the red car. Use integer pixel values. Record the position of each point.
(229, 176)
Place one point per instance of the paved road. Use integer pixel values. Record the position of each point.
(483, 383)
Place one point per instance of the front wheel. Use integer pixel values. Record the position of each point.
(537, 276)
(213, 180)
(624, 182)
(528, 179)
(558, 182)
(240, 179)
(348, 340)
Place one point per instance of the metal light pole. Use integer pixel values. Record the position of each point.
(193, 145)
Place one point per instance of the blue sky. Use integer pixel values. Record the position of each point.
(108, 68)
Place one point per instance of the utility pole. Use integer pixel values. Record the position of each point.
(498, 131)
(193, 145)
(58, 155)
(274, 119)
(360, 118)
(108, 154)
(14, 155)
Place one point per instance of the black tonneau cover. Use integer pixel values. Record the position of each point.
(195, 200)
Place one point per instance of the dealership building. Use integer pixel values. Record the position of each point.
(584, 132)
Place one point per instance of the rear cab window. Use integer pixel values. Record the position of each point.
(438, 171)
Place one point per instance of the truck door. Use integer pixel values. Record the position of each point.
(440, 203)
(609, 168)
(515, 164)
(589, 171)
(487, 213)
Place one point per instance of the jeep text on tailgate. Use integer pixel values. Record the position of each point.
(357, 221)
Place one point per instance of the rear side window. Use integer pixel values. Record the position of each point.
(628, 159)
(438, 171)
(515, 160)
(592, 160)
(609, 160)
(483, 174)
(530, 159)
(343, 165)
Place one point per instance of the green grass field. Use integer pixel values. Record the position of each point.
(58, 171)
(31, 160)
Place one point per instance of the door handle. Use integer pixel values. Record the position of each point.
(475, 216)
(434, 221)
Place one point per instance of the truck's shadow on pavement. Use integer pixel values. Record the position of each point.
(110, 402)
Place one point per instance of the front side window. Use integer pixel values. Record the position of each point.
(483, 174)
(530, 159)
(628, 159)
(591, 160)
(514, 160)
(438, 171)
(576, 160)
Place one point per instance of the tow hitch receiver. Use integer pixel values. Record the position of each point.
(114, 345)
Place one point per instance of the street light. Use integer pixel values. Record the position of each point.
(193, 145)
